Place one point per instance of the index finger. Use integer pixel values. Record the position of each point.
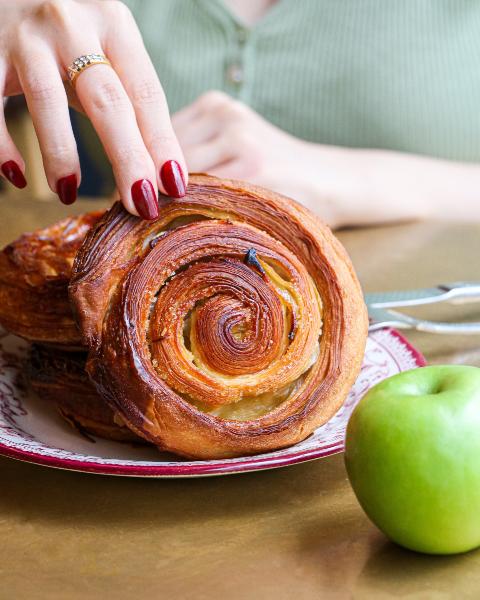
(132, 63)
(108, 107)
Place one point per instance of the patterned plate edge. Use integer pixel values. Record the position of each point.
(201, 469)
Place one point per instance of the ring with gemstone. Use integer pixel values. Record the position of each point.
(83, 62)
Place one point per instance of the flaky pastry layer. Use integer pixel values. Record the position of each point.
(35, 271)
(232, 325)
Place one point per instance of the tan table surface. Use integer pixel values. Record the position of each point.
(289, 533)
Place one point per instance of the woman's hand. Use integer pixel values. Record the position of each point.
(226, 138)
(344, 186)
(125, 102)
(222, 136)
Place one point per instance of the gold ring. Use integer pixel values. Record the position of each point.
(83, 62)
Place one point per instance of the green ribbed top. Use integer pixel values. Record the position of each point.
(362, 73)
(371, 73)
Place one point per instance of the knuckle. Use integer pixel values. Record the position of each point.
(60, 155)
(147, 92)
(117, 8)
(213, 99)
(43, 92)
(237, 110)
(129, 155)
(56, 11)
(109, 96)
(232, 110)
(158, 140)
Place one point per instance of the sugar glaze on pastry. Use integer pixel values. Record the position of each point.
(232, 325)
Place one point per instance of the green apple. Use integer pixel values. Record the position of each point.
(413, 458)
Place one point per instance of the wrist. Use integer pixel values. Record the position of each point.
(335, 186)
(397, 184)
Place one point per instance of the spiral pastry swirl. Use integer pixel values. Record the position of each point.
(233, 324)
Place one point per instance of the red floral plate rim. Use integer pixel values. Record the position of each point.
(387, 353)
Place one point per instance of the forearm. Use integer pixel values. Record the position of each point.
(361, 186)
(427, 187)
(344, 186)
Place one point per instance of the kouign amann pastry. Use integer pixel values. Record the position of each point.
(234, 324)
(34, 275)
(59, 377)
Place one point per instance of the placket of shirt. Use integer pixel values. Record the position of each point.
(240, 72)
(239, 64)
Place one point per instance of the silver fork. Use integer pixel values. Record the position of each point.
(381, 314)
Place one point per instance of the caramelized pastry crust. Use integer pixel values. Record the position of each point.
(232, 325)
(59, 377)
(34, 275)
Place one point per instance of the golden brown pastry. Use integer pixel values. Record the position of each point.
(59, 377)
(232, 325)
(34, 274)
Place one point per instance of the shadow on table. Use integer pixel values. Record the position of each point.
(392, 570)
(347, 554)
(52, 495)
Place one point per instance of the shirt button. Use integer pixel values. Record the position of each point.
(242, 35)
(235, 74)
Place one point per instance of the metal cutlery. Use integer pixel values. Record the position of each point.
(381, 314)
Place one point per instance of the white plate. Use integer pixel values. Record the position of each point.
(32, 431)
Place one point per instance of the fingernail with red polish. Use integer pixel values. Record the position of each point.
(13, 173)
(67, 189)
(172, 179)
(143, 196)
